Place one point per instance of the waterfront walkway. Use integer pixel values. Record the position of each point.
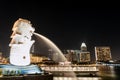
(92, 69)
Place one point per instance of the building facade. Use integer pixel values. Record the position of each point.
(103, 53)
(84, 54)
(78, 56)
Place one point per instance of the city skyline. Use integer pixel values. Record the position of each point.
(63, 24)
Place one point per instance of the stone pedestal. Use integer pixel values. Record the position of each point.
(20, 70)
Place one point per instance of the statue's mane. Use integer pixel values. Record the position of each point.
(20, 28)
(19, 21)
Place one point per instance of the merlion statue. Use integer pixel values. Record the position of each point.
(21, 42)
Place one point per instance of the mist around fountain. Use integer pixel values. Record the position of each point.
(45, 47)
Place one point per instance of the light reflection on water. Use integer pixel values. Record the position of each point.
(78, 78)
(109, 72)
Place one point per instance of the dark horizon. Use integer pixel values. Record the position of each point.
(63, 24)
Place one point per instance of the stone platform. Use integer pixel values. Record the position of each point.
(20, 70)
(30, 72)
(28, 77)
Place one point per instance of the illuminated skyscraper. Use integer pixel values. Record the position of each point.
(103, 53)
(84, 54)
(71, 55)
(79, 56)
(83, 47)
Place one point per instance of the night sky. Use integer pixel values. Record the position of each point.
(64, 23)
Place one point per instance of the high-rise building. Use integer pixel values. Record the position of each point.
(70, 55)
(103, 53)
(84, 54)
(78, 56)
(83, 47)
